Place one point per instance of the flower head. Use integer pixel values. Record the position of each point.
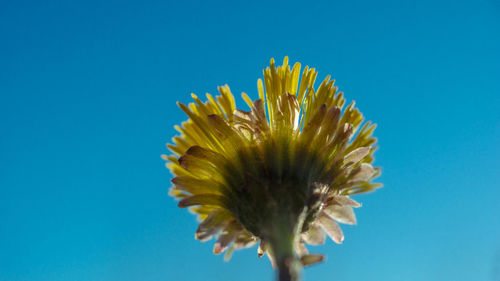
(280, 173)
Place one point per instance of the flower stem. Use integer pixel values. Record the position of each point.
(288, 265)
(282, 241)
(288, 269)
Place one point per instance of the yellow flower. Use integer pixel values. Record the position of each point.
(280, 174)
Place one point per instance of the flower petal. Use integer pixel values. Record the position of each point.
(315, 235)
(212, 224)
(331, 228)
(343, 201)
(343, 214)
(362, 173)
(301, 249)
(271, 259)
(356, 155)
(223, 241)
(226, 237)
(229, 253)
(311, 259)
(202, 199)
(244, 240)
(197, 186)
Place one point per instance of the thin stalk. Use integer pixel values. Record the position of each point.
(282, 243)
(289, 267)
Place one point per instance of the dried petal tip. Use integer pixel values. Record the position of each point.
(262, 249)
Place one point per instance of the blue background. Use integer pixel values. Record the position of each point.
(87, 103)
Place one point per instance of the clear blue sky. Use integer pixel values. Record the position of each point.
(87, 103)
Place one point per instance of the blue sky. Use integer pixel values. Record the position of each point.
(87, 103)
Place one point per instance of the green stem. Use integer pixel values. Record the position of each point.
(289, 268)
(281, 242)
